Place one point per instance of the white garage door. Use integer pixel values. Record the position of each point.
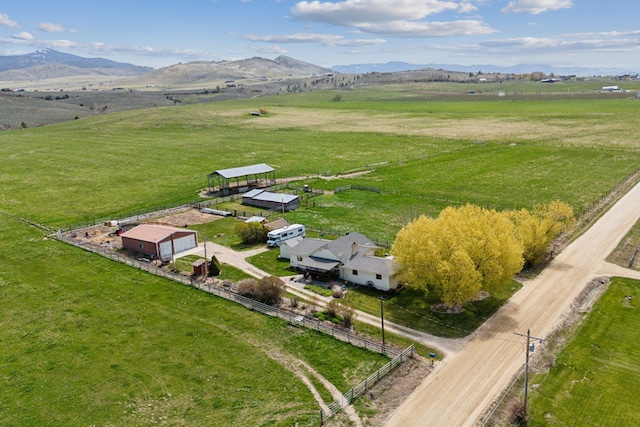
(165, 250)
(180, 244)
(184, 243)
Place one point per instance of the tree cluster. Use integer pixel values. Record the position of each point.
(251, 232)
(468, 249)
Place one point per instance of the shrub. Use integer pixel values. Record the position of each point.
(268, 290)
(340, 313)
(247, 287)
(338, 294)
(214, 267)
(517, 412)
(332, 308)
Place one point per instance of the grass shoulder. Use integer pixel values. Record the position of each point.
(412, 308)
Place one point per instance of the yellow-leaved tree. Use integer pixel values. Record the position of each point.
(462, 251)
(538, 229)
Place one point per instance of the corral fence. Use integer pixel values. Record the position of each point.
(357, 391)
(292, 317)
(362, 188)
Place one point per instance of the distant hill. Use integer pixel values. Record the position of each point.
(391, 67)
(49, 63)
(207, 73)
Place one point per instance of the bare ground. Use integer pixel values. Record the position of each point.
(394, 389)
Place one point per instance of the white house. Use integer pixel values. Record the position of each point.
(351, 258)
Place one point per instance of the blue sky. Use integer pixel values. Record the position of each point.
(586, 33)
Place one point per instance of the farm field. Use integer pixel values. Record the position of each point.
(72, 315)
(594, 378)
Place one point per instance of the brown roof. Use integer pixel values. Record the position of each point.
(153, 232)
(274, 225)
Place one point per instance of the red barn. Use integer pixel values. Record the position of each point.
(159, 241)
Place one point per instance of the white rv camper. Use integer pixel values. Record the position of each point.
(276, 237)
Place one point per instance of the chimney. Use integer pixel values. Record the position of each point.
(354, 248)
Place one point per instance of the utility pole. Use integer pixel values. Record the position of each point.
(206, 262)
(382, 317)
(530, 348)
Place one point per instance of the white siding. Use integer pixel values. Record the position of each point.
(385, 283)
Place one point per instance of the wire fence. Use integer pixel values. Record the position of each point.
(357, 391)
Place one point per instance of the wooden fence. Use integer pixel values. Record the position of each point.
(348, 397)
(290, 316)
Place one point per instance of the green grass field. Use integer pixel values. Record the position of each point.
(595, 379)
(88, 341)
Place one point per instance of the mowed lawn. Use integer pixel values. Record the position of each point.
(595, 379)
(87, 341)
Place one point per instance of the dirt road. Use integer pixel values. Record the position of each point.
(463, 385)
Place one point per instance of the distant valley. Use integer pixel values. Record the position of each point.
(50, 70)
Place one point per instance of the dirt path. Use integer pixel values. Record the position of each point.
(464, 385)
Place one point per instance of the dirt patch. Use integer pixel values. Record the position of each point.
(185, 219)
(394, 389)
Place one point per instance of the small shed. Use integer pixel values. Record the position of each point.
(199, 267)
(255, 218)
(274, 225)
(159, 241)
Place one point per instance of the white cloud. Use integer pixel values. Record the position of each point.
(6, 22)
(50, 27)
(606, 34)
(23, 36)
(535, 7)
(98, 48)
(354, 12)
(428, 29)
(273, 49)
(394, 18)
(323, 39)
(38, 44)
(558, 44)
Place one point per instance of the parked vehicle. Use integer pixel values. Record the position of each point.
(276, 237)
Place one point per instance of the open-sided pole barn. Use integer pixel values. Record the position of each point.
(239, 180)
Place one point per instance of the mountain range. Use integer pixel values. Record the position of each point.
(50, 64)
(395, 66)
(204, 72)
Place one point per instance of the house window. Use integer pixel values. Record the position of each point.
(141, 245)
(299, 258)
(378, 276)
(354, 272)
